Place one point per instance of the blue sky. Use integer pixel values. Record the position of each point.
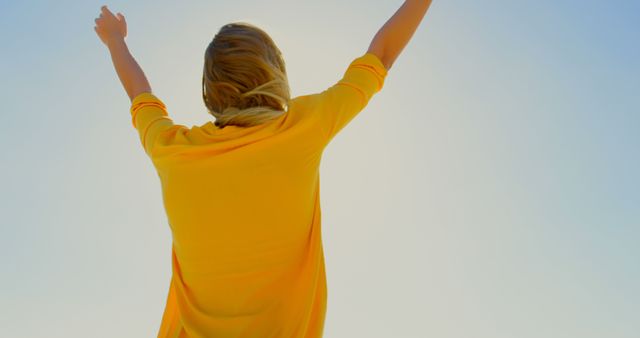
(490, 189)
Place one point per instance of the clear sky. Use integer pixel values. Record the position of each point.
(491, 189)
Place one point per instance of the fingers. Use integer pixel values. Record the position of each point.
(122, 20)
(111, 21)
(106, 11)
(123, 23)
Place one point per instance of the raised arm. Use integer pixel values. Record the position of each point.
(394, 35)
(148, 113)
(112, 30)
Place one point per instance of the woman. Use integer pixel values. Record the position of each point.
(242, 194)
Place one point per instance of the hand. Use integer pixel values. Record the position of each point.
(109, 27)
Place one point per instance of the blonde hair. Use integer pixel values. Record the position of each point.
(244, 82)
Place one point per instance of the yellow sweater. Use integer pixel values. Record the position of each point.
(244, 211)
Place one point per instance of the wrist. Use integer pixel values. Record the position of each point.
(115, 40)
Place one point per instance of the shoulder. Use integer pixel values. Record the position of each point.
(303, 111)
(302, 101)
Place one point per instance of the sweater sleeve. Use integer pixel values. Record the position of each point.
(150, 118)
(340, 103)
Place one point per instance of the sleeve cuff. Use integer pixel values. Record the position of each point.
(375, 61)
(144, 100)
(145, 97)
(372, 63)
